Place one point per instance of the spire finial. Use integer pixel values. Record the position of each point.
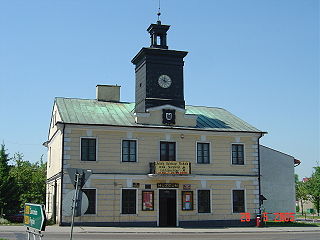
(159, 13)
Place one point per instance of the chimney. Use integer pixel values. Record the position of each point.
(108, 93)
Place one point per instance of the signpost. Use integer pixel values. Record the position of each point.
(34, 219)
(78, 177)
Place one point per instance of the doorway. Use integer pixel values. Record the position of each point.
(167, 208)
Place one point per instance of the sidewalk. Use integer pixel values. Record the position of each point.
(53, 229)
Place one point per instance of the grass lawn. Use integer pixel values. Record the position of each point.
(308, 216)
(291, 224)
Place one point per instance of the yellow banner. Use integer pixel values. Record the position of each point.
(172, 167)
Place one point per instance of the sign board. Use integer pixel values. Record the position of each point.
(172, 167)
(34, 216)
(84, 176)
(167, 185)
(81, 206)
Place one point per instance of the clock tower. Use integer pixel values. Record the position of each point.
(159, 72)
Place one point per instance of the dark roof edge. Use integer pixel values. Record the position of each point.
(154, 127)
(277, 151)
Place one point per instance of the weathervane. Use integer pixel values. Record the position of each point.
(159, 13)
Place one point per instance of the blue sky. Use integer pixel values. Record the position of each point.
(259, 59)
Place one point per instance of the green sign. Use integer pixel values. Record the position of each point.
(34, 216)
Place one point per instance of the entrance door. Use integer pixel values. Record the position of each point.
(167, 208)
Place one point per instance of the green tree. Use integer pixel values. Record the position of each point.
(301, 193)
(29, 180)
(313, 188)
(5, 182)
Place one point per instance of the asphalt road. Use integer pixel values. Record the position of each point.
(168, 236)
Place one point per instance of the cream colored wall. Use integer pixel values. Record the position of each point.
(109, 165)
(53, 123)
(54, 155)
(154, 117)
(109, 151)
(54, 165)
(50, 199)
(109, 200)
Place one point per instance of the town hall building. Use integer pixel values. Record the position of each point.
(156, 161)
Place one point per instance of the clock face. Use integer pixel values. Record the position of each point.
(164, 81)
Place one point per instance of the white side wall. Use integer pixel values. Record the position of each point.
(277, 181)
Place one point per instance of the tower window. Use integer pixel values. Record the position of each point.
(158, 40)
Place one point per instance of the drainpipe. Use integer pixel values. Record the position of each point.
(62, 160)
(259, 174)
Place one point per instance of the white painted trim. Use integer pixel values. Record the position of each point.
(55, 135)
(137, 199)
(142, 114)
(197, 202)
(245, 200)
(96, 205)
(97, 143)
(165, 129)
(244, 154)
(210, 152)
(89, 133)
(192, 177)
(167, 106)
(129, 135)
(129, 139)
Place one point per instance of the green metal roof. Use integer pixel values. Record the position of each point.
(93, 112)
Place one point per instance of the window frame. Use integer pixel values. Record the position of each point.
(210, 201)
(209, 150)
(244, 199)
(244, 154)
(136, 199)
(96, 149)
(96, 202)
(136, 158)
(175, 149)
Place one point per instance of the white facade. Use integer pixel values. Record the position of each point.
(277, 181)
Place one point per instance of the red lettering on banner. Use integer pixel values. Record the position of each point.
(245, 217)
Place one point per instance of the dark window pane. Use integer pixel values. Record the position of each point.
(129, 151)
(88, 149)
(237, 154)
(238, 201)
(204, 205)
(91, 194)
(128, 201)
(167, 151)
(203, 154)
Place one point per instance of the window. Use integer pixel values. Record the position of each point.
(129, 201)
(91, 194)
(237, 154)
(187, 200)
(238, 201)
(88, 149)
(147, 201)
(203, 153)
(167, 151)
(129, 151)
(204, 205)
